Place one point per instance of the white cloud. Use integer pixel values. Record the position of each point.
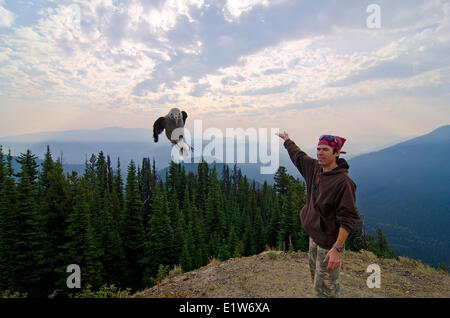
(6, 17)
(99, 65)
(164, 18)
(27, 34)
(234, 8)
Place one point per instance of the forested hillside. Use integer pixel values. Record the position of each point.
(122, 228)
(405, 190)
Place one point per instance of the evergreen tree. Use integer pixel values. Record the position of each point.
(139, 179)
(2, 167)
(2, 247)
(116, 211)
(93, 274)
(272, 232)
(223, 252)
(266, 201)
(90, 175)
(299, 238)
(173, 207)
(78, 244)
(202, 186)
(236, 177)
(259, 231)
(243, 194)
(179, 236)
(117, 199)
(249, 238)
(147, 186)
(133, 231)
(199, 254)
(54, 212)
(233, 244)
(102, 180)
(28, 244)
(357, 239)
(46, 165)
(214, 218)
(118, 184)
(114, 261)
(160, 243)
(110, 175)
(225, 181)
(186, 261)
(9, 234)
(281, 179)
(173, 176)
(49, 275)
(379, 246)
(93, 254)
(29, 167)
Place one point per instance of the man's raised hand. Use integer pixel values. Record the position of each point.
(283, 135)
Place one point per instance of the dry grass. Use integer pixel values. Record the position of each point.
(368, 255)
(175, 271)
(214, 261)
(421, 267)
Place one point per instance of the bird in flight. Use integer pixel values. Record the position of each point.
(173, 124)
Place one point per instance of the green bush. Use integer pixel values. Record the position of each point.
(104, 292)
(176, 270)
(272, 255)
(11, 294)
(163, 271)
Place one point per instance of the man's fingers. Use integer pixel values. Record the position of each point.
(332, 265)
(281, 134)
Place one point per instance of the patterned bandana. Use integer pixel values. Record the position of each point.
(334, 142)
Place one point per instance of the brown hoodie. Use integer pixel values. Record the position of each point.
(330, 200)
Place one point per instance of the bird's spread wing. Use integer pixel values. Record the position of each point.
(184, 116)
(158, 127)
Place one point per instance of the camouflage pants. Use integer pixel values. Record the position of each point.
(326, 283)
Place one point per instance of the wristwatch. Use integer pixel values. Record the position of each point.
(339, 248)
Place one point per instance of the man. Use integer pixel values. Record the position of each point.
(329, 214)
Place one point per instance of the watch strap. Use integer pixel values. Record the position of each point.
(339, 248)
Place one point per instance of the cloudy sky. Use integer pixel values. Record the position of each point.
(307, 67)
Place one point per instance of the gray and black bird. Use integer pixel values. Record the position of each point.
(173, 120)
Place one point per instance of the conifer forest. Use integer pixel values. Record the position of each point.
(122, 225)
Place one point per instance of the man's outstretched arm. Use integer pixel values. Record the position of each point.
(299, 158)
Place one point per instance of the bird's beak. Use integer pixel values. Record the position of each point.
(176, 121)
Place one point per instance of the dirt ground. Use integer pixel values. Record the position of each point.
(275, 274)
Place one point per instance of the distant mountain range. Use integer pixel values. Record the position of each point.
(77, 146)
(403, 189)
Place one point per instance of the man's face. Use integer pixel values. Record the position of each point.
(325, 155)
